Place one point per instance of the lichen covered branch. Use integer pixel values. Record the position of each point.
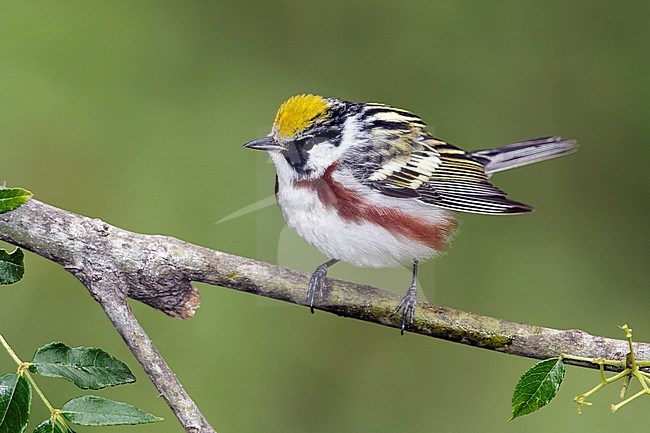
(157, 270)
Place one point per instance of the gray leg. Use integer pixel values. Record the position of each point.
(408, 302)
(316, 282)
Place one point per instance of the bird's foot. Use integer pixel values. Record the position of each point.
(316, 283)
(407, 305)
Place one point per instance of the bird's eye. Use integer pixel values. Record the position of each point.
(307, 143)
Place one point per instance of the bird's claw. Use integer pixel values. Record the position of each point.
(407, 305)
(316, 283)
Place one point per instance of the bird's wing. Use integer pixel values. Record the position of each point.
(435, 172)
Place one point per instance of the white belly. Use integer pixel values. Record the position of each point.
(361, 244)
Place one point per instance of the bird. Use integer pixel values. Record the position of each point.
(368, 184)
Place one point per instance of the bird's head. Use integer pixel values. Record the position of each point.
(307, 134)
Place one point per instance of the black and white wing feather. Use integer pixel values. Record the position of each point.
(448, 177)
(401, 159)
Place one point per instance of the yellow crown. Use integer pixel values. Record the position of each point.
(299, 112)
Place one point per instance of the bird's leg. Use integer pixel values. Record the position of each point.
(316, 282)
(408, 302)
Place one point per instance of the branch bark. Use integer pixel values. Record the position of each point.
(114, 264)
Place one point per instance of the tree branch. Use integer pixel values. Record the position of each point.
(115, 264)
(104, 258)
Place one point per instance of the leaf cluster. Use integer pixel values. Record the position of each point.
(86, 367)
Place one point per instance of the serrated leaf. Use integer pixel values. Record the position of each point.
(11, 198)
(86, 367)
(92, 410)
(12, 267)
(537, 387)
(59, 426)
(15, 400)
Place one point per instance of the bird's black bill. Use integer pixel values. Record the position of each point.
(264, 143)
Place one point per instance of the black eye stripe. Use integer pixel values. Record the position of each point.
(306, 143)
(296, 155)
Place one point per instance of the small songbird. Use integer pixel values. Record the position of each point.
(367, 184)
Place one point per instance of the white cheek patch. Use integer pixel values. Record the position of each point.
(324, 154)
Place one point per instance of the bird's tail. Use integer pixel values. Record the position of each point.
(523, 153)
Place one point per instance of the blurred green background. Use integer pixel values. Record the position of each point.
(135, 113)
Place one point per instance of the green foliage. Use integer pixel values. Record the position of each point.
(15, 400)
(12, 267)
(11, 198)
(92, 410)
(58, 426)
(86, 367)
(537, 387)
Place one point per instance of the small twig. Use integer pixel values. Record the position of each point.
(22, 370)
(629, 368)
(10, 351)
(118, 311)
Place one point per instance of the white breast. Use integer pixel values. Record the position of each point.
(359, 243)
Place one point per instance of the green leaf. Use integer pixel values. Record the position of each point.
(537, 387)
(92, 410)
(11, 198)
(12, 267)
(87, 367)
(15, 399)
(59, 426)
